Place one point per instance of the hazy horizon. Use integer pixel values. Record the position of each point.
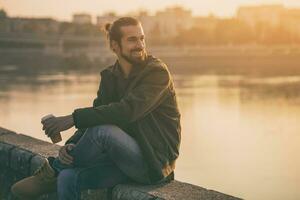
(50, 8)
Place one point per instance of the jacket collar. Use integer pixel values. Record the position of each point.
(136, 69)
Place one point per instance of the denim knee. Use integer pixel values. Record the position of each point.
(102, 132)
(67, 184)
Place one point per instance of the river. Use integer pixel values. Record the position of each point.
(240, 135)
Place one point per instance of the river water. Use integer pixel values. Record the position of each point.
(240, 135)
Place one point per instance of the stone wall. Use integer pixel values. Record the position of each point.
(21, 155)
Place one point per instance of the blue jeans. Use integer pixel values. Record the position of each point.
(103, 157)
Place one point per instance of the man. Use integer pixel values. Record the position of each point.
(132, 132)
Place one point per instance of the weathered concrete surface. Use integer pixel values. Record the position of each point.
(170, 191)
(21, 155)
(28, 143)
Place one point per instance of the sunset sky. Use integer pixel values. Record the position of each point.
(63, 10)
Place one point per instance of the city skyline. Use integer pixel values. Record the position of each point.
(49, 8)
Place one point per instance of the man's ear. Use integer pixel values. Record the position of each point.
(114, 46)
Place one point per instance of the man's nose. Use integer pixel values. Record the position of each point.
(140, 44)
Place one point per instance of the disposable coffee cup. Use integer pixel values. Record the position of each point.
(56, 137)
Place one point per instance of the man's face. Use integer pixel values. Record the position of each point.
(132, 44)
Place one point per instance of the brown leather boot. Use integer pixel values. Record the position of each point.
(43, 181)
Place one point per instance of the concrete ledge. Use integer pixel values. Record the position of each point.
(171, 191)
(28, 143)
(21, 155)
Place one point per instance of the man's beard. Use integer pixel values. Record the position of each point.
(135, 60)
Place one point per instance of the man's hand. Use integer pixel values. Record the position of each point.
(63, 155)
(55, 125)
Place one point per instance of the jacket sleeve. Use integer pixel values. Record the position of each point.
(79, 133)
(99, 100)
(141, 100)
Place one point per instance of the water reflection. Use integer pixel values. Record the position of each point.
(240, 134)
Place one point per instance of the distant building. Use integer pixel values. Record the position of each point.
(276, 16)
(264, 14)
(173, 19)
(291, 21)
(206, 23)
(106, 18)
(33, 25)
(82, 18)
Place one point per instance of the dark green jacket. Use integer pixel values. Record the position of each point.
(148, 112)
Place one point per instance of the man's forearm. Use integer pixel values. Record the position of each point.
(70, 120)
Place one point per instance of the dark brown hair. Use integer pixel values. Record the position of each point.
(113, 31)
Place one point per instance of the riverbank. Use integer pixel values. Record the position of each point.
(242, 60)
